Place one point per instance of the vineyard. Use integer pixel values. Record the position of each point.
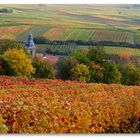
(78, 34)
(78, 23)
(113, 36)
(53, 106)
(90, 35)
(57, 48)
(138, 37)
(54, 34)
(70, 48)
(69, 34)
(20, 33)
(12, 32)
(119, 50)
(36, 31)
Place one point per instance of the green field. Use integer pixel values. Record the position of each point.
(119, 50)
(36, 31)
(119, 23)
(78, 34)
(138, 37)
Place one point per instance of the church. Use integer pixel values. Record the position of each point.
(30, 45)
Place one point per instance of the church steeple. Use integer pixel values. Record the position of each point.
(30, 46)
(30, 41)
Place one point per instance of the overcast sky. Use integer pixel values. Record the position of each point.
(70, 1)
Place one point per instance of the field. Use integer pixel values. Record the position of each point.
(113, 36)
(119, 50)
(69, 48)
(78, 22)
(53, 106)
(12, 32)
(44, 106)
(77, 34)
(36, 31)
(54, 34)
(138, 37)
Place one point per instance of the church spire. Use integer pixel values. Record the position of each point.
(30, 41)
(30, 46)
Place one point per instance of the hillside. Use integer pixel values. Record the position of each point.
(119, 23)
(53, 106)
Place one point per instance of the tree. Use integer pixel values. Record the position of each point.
(64, 66)
(97, 54)
(19, 62)
(130, 75)
(96, 72)
(5, 68)
(111, 73)
(8, 44)
(80, 56)
(40, 40)
(43, 69)
(80, 73)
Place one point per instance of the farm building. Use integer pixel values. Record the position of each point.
(30, 46)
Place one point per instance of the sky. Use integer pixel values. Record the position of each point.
(69, 1)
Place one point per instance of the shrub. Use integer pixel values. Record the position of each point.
(20, 62)
(80, 56)
(97, 54)
(40, 40)
(64, 66)
(43, 69)
(80, 73)
(111, 73)
(8, 44)
(96, 72)
(5, 68)
(130, 75)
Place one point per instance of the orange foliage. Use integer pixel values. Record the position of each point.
(55, 106)
(125, 55)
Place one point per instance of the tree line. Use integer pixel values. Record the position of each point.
(85, 65)
(43, 40)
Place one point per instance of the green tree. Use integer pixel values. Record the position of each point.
(64, 66)
(19, 62)
(96, 72)
(8, 44)
(80, 56)
(43, 69)
(80, 73)
(97, 54)
(111, 73)
(5, 68)
(130, 75)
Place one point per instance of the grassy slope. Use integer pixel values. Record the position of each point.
(87, 15)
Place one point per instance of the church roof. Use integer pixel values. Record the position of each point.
(30, 41)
